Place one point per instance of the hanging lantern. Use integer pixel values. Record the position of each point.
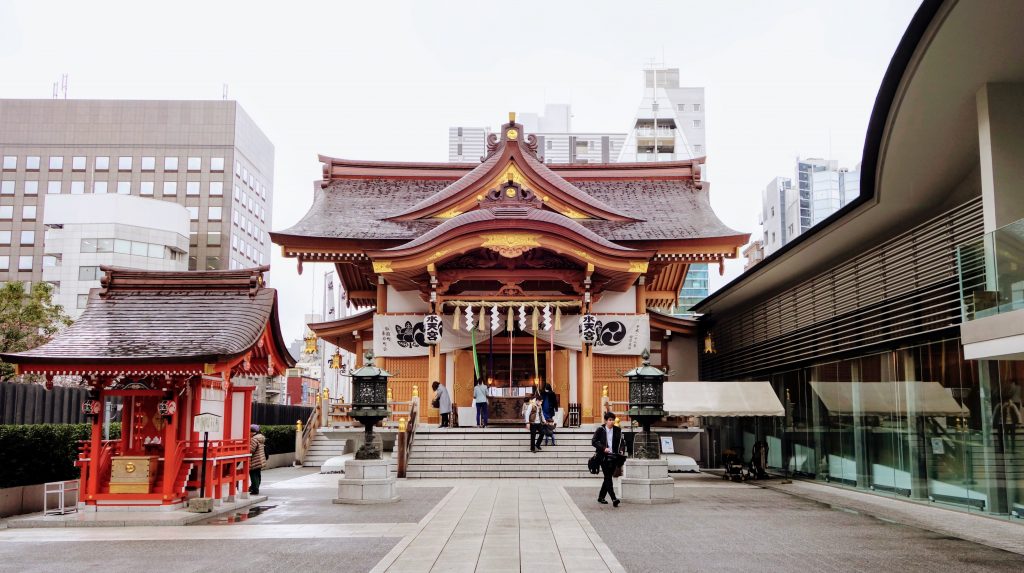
(469, 317)
(588, 329)
(547, 317)
(433, 328)
(166, 407)
(310, 343)
(709, 343)
(92, 407)
(336, 360)
(495, 319)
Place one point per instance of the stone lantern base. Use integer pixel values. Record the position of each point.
(647, 481)
(367, 482)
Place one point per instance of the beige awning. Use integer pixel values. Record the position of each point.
(888, 398)
(722, 399)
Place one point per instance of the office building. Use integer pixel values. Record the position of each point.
(556, 142)
(789, 207)
(773, 213)
(86, 232)
(893, 332)
(695, 289)
(207, 156)
(670, 121)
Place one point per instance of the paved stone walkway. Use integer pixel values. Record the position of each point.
(535, 526)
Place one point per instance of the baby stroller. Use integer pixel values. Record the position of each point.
(734, 468)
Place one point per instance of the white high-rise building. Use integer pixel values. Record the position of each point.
(789, 209)
(670, 122)
(556, 141)
(86, 232)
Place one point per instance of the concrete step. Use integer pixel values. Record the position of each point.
(497, 474)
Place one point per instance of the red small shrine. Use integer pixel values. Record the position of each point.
(171, 345)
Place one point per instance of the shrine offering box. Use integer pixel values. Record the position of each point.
(133, 474)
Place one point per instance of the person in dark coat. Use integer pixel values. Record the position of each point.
(607, 441)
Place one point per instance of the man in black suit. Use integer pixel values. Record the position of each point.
(607, 440)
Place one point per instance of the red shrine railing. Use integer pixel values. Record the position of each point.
(227, 469)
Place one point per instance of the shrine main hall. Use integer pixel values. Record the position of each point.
(513, 270)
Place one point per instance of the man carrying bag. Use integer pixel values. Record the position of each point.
(607, 442)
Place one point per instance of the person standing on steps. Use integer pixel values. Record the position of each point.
(443, 402)
(535, 423)
(480, 399)
(607, 441)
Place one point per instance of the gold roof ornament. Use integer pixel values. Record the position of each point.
(310, 339)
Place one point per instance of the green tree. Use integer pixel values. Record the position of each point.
(27, 319)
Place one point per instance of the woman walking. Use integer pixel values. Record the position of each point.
(443, 402)
(607, 440)
(480, 399)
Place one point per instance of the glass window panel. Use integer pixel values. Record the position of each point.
(217, 164)
(28, 237)
(10, 162)
(155, 251)
(82, 301)
(31, 187)
(124, 187)
(213, 263)
(148, 163)
(56, 163)
(193, 213)
(28, 213)
(25, 263)
(124, 163)
(122, 246)
(89, 273)
(104, 245)
(49, 261)
(146, 188)
(53, 187)
(170, 188)
(140, 249)
(102, 163)
(99, 187)
(5, 237)
(32, 163)
(78, 163)
(78, 187)
(6, 211)
(170, 163)
(194, 163)
(88, 246)
(213, 239)
(7, 188)
(192, 188)
(216, 188)
(238, 169)
(214, 214)
(5, 262)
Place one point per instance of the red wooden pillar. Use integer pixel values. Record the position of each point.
(246, 433)
(171, 461)
(95, 453)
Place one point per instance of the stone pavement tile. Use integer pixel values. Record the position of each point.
(299, 505)
(743, 528)
(463, 548)
(538, 548)
(998, 533)
(500, 550)
(265, 555)
(418, 552)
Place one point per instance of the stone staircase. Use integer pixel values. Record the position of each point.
(497, 453)
(322, 448)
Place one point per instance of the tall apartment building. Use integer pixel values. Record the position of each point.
(207, 156)
(556, 141)
(695, 288)
(789, 209)
(670, 122)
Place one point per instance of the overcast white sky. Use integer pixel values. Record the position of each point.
(384, 80)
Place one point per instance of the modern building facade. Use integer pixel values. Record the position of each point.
(695, 289)
(556, 141)
(892, 331)
(789, 207)
(670, 121)
(208, 156)
(85, 232)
